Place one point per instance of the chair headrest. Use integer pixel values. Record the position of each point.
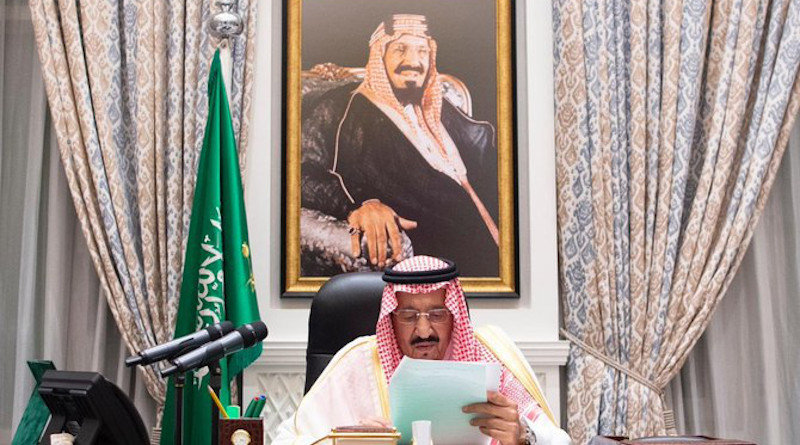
(345, 308)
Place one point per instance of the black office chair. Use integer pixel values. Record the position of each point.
(345, 308)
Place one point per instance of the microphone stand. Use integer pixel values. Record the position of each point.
(179, 382)
(215, 381)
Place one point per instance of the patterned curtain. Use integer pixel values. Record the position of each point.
(671, 120)
(126, 85)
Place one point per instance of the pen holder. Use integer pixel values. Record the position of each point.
(241, 431)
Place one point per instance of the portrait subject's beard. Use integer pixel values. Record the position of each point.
(411, 94)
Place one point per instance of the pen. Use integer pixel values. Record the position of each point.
(217, 402)
(251, 407)
(260, 407)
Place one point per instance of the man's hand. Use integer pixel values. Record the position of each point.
(375, 220)
(500, 419)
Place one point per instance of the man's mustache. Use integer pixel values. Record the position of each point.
(402, 68)
(432, 339)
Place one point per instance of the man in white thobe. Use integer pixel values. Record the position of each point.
(423, 315)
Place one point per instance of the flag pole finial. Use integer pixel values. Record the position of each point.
(226, 23)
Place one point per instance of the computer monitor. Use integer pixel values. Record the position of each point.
(90, 408)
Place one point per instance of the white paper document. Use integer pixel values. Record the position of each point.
(436, 390)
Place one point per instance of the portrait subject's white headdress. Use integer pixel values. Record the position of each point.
(378, 88)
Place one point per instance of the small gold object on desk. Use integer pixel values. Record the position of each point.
(241, 431)
(360, 435)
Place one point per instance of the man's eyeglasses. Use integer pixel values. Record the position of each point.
(410, 316)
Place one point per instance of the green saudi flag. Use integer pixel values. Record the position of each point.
(217, 274)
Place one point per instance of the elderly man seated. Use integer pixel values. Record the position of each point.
(423, 315)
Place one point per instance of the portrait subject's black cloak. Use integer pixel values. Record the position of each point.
(376, 160)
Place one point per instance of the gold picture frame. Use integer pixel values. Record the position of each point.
(298, 70)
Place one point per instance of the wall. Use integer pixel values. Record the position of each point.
(532, 321)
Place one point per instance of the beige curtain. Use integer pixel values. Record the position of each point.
(671, 119)
(126, 84)
(51, 306)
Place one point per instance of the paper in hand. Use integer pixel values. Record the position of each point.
(437, 390)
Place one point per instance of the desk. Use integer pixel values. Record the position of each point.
(666, 440)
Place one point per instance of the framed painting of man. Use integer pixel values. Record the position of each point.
(399, 139)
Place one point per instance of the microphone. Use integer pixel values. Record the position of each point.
(243, 337)
(180, 345)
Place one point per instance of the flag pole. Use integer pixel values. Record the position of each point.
(179, 382)
(215, 382)
(224, 25)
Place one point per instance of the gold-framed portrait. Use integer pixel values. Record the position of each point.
(399, 139)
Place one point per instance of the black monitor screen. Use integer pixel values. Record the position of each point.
(90, 408)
